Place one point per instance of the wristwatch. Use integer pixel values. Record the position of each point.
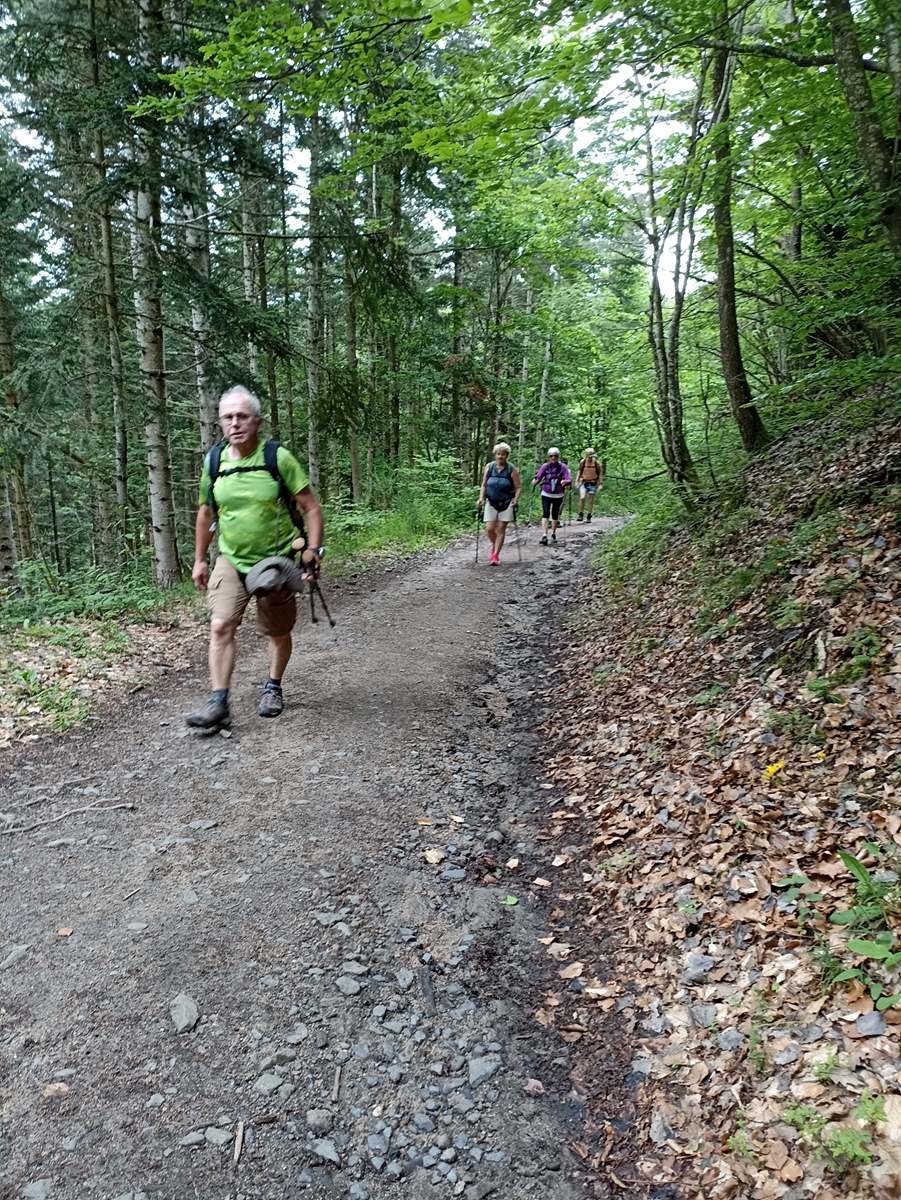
(319, 551)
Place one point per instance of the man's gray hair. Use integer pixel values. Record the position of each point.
(240, 392)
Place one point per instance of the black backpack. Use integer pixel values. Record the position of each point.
(499, 487)
(270, 464)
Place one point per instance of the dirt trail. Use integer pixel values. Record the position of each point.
(362, 1021)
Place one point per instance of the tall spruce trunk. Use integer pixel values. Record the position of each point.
(457, 430)
(197, 244)
(249, 202)
(750, 425)
(149, 313)
(110, 304)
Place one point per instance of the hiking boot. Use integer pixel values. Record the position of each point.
(554, 538)
(271, 702)
(579, 517)
(543, 541)
(588, 518)
(214, 715)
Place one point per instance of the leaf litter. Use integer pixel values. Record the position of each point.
(725, 797)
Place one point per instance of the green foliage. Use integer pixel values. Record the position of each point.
(825, 1069)
(45, 597)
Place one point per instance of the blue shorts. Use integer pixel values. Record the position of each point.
(588, 489)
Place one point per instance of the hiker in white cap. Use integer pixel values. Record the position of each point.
(554, 478)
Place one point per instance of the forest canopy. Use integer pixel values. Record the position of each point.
(667, 230)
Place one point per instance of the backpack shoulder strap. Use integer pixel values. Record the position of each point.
(270, 460)
(213, 461)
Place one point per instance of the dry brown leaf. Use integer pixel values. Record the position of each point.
(542, 883)
(572, 971)
(434, 856)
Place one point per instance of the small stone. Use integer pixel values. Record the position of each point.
(697, 965)
(268, 1083)
(16, 953)
(184, 1013)
(483, 1068)
(136, 926)
(730, 1039)
(870, 1024)
(354, 968)
(786, 1056)
(324, 1148)
(197, 1138)
(204, 823)
(347, 985)
(320, 1120)
(38, 1190)
(298, 1034)
(453, 875)
(327, 918)
(703, 1015)
(156, 1100)
(218, 1137)
(405, 979)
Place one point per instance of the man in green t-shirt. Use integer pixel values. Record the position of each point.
(252, 523)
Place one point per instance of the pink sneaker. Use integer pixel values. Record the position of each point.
(493, 557)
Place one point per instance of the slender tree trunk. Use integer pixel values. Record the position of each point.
(286, 276)
(543, 387)
(315, 283)
(197, 243)
(393, 356)
(15, 468)
(457, 431)
(524, 377)
(873, 147)
(750, 425)
(353, 373)
(148, 307)
(271, 380)
(7, 539)
(110, 306)
(248, 263)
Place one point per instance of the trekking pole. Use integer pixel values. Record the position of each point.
(478, 532)
(315, 589)
(516, 531)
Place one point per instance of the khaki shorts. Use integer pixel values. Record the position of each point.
(227, 598)
(491, 513)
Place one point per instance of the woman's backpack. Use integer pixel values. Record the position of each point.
(499, 486)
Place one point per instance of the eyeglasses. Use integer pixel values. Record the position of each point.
(236, 419)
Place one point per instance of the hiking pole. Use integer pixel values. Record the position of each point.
(478, 531)
(516, 531)
(316, 590)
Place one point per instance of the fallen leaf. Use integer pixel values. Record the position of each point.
(539, 882)
(533, 1087)
(65, 931)
(434, 856)
(55, 1091)
(572, 971)
(510, 901)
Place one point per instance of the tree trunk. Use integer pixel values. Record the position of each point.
(197, 243)
(148, 308)
(248, 264)
(110, 306)
(873, 147)
(353, 374)
(286, 278)
(15, 470)
(524, 378)
(271, 380)
(457, 432)
(542, 398)
(7, 540)
(750, 426)
(315, 283)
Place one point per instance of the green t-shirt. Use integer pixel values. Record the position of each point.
(253, 522)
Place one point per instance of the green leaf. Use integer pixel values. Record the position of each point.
(855, 866)
(845, 916)
(791, 881)
(851, 973)
(885, 1002)
(868, 949)
(510, 901)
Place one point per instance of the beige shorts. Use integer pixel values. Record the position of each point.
(227, 598)
(491, 513)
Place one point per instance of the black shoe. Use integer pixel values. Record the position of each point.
(271, 702)
(213, 715)
(543, 541)
(554, 538)
(588, 518)
(579, 517)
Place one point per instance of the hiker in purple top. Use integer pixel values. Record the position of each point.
(555, 478)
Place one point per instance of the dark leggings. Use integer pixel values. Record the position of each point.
(550, 507)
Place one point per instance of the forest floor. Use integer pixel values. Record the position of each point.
(317, 901)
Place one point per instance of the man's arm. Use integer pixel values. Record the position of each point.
(203, 535)
(309, 506)
(517, 483)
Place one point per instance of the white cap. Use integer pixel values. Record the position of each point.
(553, 450)
(590, 450)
